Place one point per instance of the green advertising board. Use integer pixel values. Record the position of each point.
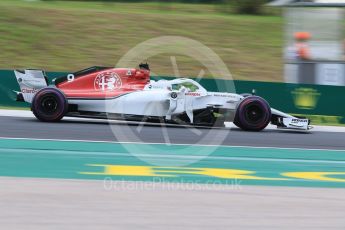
(322, 104)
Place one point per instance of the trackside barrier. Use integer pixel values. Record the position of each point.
(323, 104)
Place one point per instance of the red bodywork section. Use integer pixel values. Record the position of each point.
(106, 83)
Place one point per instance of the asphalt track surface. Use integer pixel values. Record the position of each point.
(95, 130)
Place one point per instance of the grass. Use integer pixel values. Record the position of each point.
(68, 36)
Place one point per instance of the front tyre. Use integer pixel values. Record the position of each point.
(49, 105)
(253, 114)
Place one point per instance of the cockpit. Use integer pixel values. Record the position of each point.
(189, 84)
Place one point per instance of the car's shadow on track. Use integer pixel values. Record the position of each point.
(137, 124)
(81, 121)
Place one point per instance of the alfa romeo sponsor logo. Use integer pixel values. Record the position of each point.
(107, 81)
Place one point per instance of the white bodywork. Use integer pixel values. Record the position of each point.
(158, 99)
(163, 98)
(30, 81)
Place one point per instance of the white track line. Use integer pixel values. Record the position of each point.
(170, 155)
(28, 114)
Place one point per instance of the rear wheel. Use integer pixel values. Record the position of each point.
(49, 104)
(253, 114)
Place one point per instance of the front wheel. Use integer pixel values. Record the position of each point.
(253, 114)
(49, 104)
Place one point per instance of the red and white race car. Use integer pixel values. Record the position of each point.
(128, 93)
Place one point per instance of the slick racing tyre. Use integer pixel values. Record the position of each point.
(49, 104)
(253, 114)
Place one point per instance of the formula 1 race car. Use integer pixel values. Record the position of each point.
(129, 94)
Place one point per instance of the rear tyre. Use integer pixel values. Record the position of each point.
(49, 105)
(253, 114)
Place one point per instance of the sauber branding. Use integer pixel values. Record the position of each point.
(223, 95)
(107, 81)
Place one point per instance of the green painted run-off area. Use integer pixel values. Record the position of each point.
(173, 163)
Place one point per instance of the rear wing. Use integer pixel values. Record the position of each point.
(30, 82)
